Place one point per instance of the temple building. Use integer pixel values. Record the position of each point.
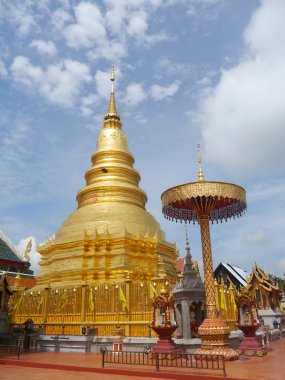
(109, 257)
(10, 257)
(267, 296)
(230, 280)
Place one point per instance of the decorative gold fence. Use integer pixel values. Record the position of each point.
(107, 307)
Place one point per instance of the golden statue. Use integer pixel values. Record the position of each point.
(108, 250)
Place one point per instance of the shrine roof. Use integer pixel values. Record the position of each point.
(180, 264)
(26, 281)
(237, 272)
(264, 280)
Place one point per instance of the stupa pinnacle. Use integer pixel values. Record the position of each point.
(111, 233)
(108, 258)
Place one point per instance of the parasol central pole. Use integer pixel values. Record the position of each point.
(208, 266)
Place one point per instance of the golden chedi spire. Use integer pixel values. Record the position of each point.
(112, 113)
(112, 168)
(110, 234)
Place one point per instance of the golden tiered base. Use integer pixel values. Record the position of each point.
(215, 339)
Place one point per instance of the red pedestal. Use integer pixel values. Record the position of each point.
(250, 345)
(117, 343)
(165, 344)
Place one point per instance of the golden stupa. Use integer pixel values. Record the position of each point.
(109, 257)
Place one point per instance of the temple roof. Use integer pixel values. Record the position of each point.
(23, 280)
(8, 252)
(237, 275)
(264, 280)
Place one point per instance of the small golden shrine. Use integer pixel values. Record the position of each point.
(164, 322)
(109, 257)
(248, 322)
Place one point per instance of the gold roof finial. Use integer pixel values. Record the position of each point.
(112, 113)
(201, 177)
(27, 251)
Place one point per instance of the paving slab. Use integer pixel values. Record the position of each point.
(60, 365)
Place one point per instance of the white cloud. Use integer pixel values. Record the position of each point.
(112, 51)
(44, 47)
(269, 190)
(170, 67)
(243, 117)
(163, 92)
(208, 9)
(255, 237)
(89, 26)
(87, 104)
(16, 162)
(102, 80)
(23, 18)
(59, 83)
(3, 71)
(60, 18)
(137, 25)
(135, 94)
(24, 72)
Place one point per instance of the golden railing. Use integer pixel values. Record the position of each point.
(105, 307)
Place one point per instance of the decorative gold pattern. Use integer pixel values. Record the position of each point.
(208, 268)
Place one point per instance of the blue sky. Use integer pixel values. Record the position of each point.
(188, 72)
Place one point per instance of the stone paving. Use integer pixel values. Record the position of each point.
(89, 366)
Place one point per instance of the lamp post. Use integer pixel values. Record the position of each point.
(204, 201)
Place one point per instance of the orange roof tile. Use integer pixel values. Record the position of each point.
(24, 282)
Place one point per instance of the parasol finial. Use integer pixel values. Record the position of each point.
(201, 177)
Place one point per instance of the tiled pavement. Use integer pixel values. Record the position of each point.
(270, 367)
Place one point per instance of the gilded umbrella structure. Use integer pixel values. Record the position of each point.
(204, 201)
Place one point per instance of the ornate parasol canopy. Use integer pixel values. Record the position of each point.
(220, 200)
(217, 200)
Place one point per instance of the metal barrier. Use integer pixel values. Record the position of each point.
(158, 360)
(9, 350)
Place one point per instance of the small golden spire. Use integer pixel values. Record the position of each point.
(112, 110)
(187, 242)
(201, 177)
(188, 264)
